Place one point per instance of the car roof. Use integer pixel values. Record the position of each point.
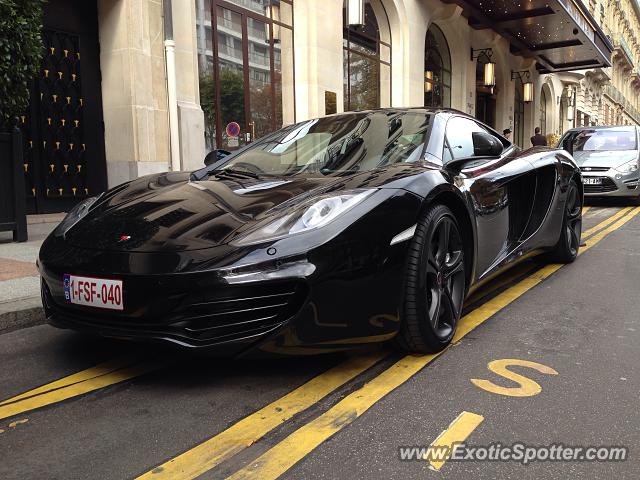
(425, 110)
(604, 127)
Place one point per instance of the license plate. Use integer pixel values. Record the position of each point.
(592, 180)
(93, 292)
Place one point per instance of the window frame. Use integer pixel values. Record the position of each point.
(347, 50)
(441, 83)
(210, 22)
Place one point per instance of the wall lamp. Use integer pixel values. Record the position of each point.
(527, 86)
(428, 81)
(355, 12)
(489, 66)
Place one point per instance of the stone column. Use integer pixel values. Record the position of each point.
(409, 22)
(318, 56)
(134, 91)
(190, 115)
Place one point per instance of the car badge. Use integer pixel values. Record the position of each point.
(124, 238)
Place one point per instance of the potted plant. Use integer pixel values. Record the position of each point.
(20, 53)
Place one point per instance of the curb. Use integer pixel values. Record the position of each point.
(23, 313)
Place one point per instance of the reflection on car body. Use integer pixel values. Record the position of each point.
(299, 240)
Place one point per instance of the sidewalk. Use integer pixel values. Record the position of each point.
(20, 304)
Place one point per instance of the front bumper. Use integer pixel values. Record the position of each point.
(195, 311)
(315, 293)
(336, 298)
(611, 183)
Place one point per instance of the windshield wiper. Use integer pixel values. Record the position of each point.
(231, 172)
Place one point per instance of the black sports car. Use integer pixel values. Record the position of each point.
(353, 228)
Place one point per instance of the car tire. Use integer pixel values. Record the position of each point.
(435, 283)
(566, 250)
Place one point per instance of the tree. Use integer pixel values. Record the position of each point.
(20, 54)
(208, 104)
(364, 82)
(231, 101)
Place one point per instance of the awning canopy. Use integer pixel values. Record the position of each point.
(560, 34)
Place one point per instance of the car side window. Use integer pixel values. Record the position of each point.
(458, 138)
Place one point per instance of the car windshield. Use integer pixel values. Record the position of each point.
(353, 142)
(605, 140)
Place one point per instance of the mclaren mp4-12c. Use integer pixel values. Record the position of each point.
(354, 228)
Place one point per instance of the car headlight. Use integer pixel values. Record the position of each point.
(308, 215)
(75, 215)
(628, 167)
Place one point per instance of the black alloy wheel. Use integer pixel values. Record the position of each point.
(566, 250)
(435, 283)
(574, 219)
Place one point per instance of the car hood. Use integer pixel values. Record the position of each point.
(168, 212)
(611, 159)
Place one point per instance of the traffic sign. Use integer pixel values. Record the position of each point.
(233, 129)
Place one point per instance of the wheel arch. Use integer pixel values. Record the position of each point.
(455, 202)
(570, 170)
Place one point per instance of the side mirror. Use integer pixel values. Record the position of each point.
(486, 145)
(215, 155)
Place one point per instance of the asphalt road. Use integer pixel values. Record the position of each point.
(77, 407)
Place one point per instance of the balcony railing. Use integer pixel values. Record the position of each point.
(622, 43)
(618, 97)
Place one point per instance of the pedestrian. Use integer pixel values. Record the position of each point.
(506, 133)
(538, 140)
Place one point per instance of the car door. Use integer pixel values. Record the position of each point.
(498, 190)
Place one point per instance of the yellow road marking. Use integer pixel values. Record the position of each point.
(585, 210)
(596, 238)
(250, 429)
(527, 388)
(503, 280)
(18, 422)
(456, 433)
(89, 373)
(527, 268)
(607, 222)
(296, 446)
(48, 397)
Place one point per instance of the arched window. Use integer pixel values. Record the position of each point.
(437, 69)
(543, 112)
(367, 59)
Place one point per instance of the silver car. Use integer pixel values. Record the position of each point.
(608, 158)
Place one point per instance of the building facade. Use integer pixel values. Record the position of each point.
(610, 95)
(131, 87)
